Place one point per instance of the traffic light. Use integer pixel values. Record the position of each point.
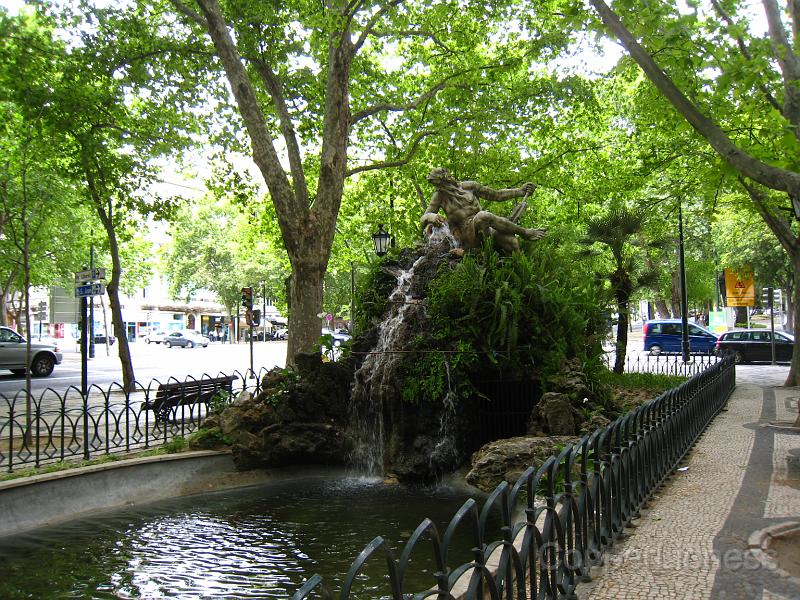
(256, 320)
(247, 298)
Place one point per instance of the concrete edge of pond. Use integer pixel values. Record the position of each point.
(40, 500)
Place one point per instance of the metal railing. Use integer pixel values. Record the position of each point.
(59, 426)
(558, 519)
(665, 364)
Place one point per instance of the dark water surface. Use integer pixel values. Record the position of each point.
(257, 542)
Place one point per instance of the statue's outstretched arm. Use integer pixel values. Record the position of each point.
(493, 195)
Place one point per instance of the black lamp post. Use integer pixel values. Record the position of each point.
(684, 303)
(380, 240)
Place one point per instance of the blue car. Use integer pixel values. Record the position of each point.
(664, 335)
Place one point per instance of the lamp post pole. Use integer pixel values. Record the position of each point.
(684, 302)
(352, 298)
(91, 300)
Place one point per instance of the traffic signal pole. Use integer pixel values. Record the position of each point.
(247, 304)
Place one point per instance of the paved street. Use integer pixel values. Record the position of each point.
(152, 361)
(742, 477)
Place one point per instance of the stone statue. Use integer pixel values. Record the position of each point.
(468, 222)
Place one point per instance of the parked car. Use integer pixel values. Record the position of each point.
(752, 345)
(155, 337)
(100, 338)
(13, 349)
(339, 337)
(281, 334)
(187, 338)
(664, 335)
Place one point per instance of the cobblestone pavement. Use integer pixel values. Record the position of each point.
(743, 476)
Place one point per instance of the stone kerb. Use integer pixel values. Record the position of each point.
(759, 545)
(65, 495)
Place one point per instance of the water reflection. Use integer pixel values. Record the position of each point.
(259, 542)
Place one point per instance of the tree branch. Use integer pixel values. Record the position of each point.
(394, 163)
(787, 60)
(771, 177)
(264, 153)
(193, 15)
(388, 106)
(415, 33)
(779, 227)
(745, 52)
(371, 24)
(273, 85)
(423, 201)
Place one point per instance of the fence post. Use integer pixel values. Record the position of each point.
(63, 421)
(38, 430)
(85, 394)
(107, 410)
(11, 436)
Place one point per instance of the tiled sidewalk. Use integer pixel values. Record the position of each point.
(692, 541)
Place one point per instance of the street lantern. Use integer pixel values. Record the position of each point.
(381, 239)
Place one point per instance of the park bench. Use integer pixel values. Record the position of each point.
(169, 396)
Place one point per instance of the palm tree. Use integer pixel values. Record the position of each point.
(620, 232)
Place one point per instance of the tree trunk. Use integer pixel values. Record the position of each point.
(622, 336)
(740, 316)
(305, 301)
(307, 231)
(105, 323)
(128, 377)
(790, 304)
(675, 293)
(106, 218)
(662, 309)
(793, 378)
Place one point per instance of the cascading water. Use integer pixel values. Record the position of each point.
(445, 451)
(378, 378)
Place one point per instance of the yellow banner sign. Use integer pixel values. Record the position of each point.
(740, 290)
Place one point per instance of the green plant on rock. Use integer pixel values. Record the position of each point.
(277, 384)
(373, 294)
(494, 316)
(209, 438)
(176, 445)
(219, 401)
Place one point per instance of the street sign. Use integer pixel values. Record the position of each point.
(90, 275)
(329, 317)
(90, 289)
(740, 288)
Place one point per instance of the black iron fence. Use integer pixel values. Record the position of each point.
(57, 426)
(558, 519)
(665, 364)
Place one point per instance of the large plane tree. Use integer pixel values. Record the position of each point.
(740, 92)
(330, 90)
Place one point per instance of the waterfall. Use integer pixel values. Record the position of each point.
(377, 379)
(445, 451)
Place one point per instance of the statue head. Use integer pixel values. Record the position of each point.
(439, 176)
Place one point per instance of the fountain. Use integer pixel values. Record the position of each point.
(376, 381)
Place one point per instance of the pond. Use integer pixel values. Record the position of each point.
(255, 542)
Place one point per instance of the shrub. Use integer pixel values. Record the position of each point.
(518, 316)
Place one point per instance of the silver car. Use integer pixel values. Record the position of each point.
(187, 338)
(13, 349)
